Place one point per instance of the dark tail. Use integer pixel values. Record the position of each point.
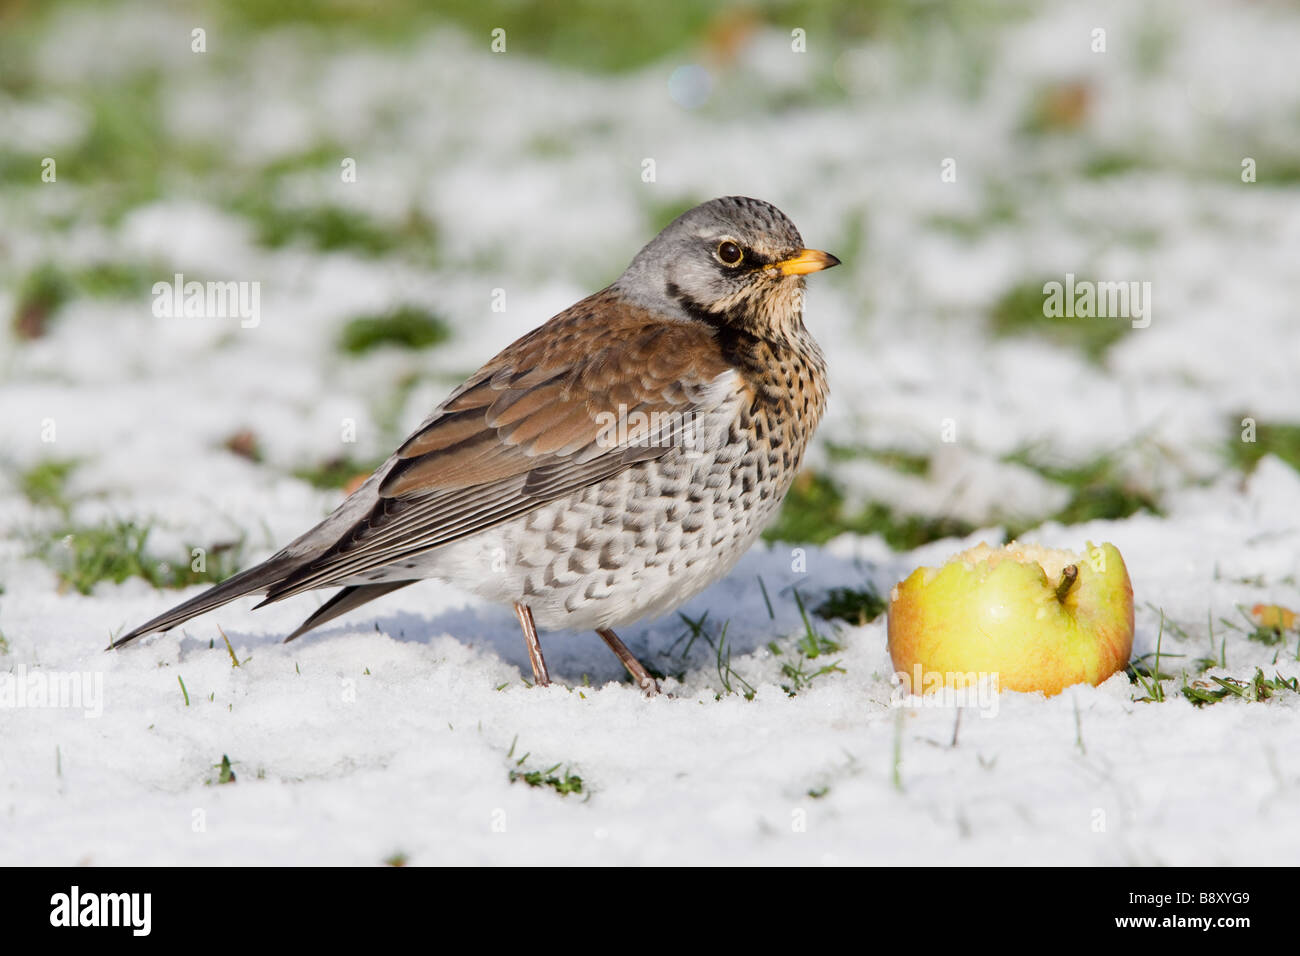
(344, 601)
(257, 580)
(252, 581)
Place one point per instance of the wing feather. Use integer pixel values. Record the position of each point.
(531, 427)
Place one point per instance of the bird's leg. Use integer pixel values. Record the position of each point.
(535, 658)
(634, 666)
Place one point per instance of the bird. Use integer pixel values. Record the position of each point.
(605, 467)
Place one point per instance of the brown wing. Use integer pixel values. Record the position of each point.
(553, 413)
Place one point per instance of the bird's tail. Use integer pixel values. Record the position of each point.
(346, 600)
(253, 581)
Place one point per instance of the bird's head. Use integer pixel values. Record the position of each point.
(733, 260)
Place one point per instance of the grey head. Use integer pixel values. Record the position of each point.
(730, 259)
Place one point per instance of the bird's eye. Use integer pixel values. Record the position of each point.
(730, 253)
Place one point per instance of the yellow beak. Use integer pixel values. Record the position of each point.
(808, 260)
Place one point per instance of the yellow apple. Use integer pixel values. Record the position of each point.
(1037, 618)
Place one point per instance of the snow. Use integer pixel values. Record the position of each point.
(395, 729)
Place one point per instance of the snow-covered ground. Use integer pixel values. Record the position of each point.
(395, 731)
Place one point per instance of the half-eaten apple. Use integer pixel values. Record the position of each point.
(1040, 619)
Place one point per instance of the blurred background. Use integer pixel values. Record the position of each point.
(411, 187)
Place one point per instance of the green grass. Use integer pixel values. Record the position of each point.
(1150, 676)
(1102, 165)
(695, 631)
(856, 605)
(407, 327)
(1000, 207)
(798, 669)
(812, 642)
(732, 683)
(569, 783)
(1274, 168)
(586, 34)
(48, 288)
(565, 785)
(1099, 490)
(125, 156)
(1146, 672)
(225, 773)
(906, 462)
(116, 550)
(330, 228)
(592, 35)
(100, 280)
(128, 156)
(811, 646)
(811, 512)
(1257, 689)
(814, 512)
(1271, 438)
(1260, 633)
(41, 294)
(117, 280)
(1268, 636)
(896, 770)
(45, 483)
(1019, 313)
(335, 473)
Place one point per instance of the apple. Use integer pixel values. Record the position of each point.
(1039, 619)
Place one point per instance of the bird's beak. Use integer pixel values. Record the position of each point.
(808, 260)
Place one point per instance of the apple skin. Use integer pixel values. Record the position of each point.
(996, 611)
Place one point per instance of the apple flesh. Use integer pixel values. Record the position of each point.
(1038, 618)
